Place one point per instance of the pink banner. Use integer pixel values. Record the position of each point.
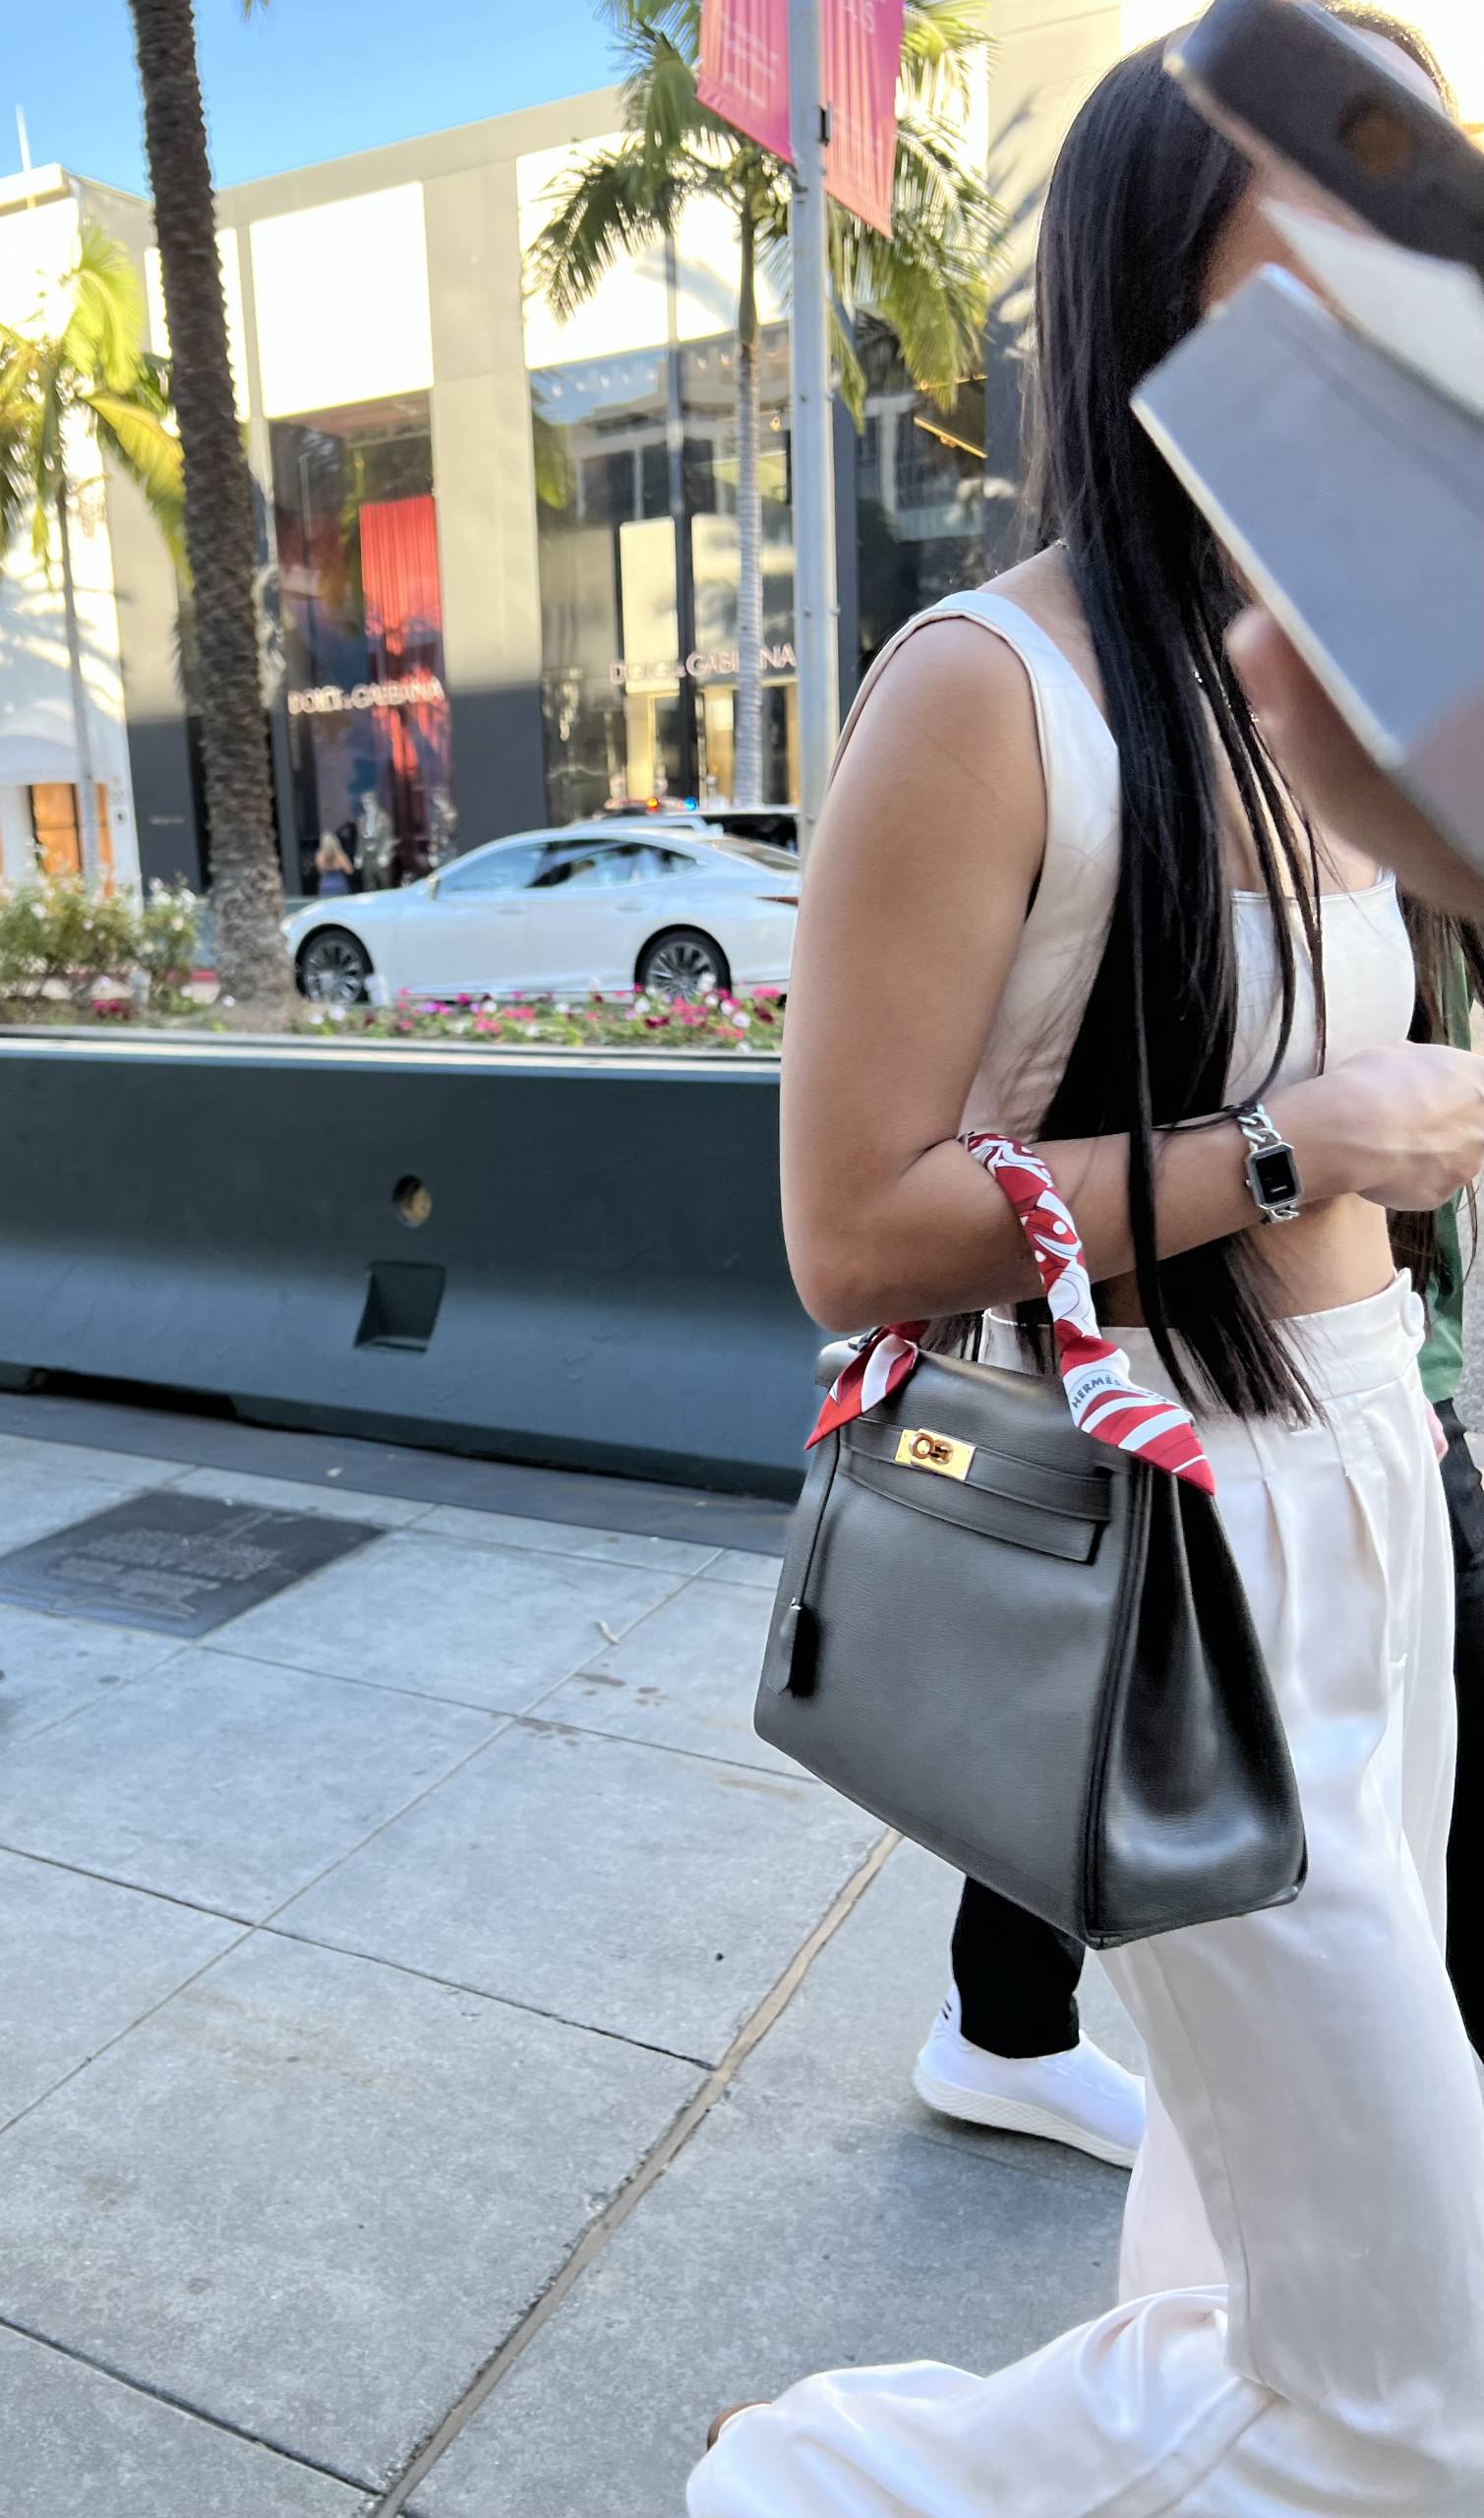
(743, 76)
(863, 54)
(743, 69)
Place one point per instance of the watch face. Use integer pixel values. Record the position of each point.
(1275, 1175)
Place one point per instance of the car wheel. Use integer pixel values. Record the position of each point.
(684, 963)
(333, 967)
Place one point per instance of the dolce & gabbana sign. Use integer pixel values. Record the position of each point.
(714, 664)
(330, 700)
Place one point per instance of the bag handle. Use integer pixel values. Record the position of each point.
(1104, 1399)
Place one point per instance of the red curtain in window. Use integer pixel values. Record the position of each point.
(399, 575)
(404, 620)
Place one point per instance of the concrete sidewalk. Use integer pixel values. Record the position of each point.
(443, 2054)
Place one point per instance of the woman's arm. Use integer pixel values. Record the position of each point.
(918, 889)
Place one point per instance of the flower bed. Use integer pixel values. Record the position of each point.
(751, 1024)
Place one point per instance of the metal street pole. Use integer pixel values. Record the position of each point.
(815, 603)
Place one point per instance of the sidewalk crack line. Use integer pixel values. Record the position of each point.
(597, 2236)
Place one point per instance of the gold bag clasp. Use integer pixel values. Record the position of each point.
(918, 1447)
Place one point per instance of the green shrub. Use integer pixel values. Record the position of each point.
(57, 934)
(169, 943)
(68, 950)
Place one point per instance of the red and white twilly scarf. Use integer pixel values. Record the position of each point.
(1104, 1400)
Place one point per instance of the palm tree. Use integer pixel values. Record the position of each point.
(79, 374)
(247, 890)
(929, 282)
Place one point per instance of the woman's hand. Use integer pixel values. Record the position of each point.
(1405, 1125)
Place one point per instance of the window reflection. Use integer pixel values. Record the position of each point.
(920, 493)
(362, 620)
(636, 474)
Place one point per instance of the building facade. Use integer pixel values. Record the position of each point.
(498, 553)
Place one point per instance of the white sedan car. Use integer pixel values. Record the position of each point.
(609, 905)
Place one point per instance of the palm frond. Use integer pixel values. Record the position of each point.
(605, 208)
(18, 358)
(106, 325)
(148, 453)
(929, 281)
(15, 472)
(637, 24)
(150, 382)
(660, 104)
(935, 304)
(95, 367)
(930, 180)
(48, 444)
(944, 43)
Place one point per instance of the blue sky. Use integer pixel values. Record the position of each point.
(306, 78)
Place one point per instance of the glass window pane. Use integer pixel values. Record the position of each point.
(565, 867)
(361, 607)
(654, 479)
(497, 869)
(609, 596)
(920, 492)
(638, 600)
(635, 862)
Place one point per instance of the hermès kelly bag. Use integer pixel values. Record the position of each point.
(1010, 1625)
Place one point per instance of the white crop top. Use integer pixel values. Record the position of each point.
(1369, 977)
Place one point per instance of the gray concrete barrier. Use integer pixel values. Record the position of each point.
(557, 1258)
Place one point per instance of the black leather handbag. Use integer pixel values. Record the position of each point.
(1031, 1650)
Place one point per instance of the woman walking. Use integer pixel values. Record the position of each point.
(1059, 894)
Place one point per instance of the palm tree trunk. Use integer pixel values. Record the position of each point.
(245, 888)
(746, 765)
(87, 792)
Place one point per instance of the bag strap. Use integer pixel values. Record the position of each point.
(1104, 1399)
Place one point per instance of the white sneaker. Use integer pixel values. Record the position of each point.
(1082, 2098)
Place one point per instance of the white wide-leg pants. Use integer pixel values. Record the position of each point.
(1301, 2327)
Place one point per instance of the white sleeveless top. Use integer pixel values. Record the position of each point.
(1369, 978)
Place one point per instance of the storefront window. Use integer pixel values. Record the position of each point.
(637, 475)
(362, 625)
(920, 496)
(708, 400)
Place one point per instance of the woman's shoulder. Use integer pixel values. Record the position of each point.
(942, 701)
(1031, 685)
(1038, 639)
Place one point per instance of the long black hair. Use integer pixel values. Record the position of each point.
(1141, 192)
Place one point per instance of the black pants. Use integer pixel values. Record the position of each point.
(1017, 1977)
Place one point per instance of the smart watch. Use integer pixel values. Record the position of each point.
(1272, 1174)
